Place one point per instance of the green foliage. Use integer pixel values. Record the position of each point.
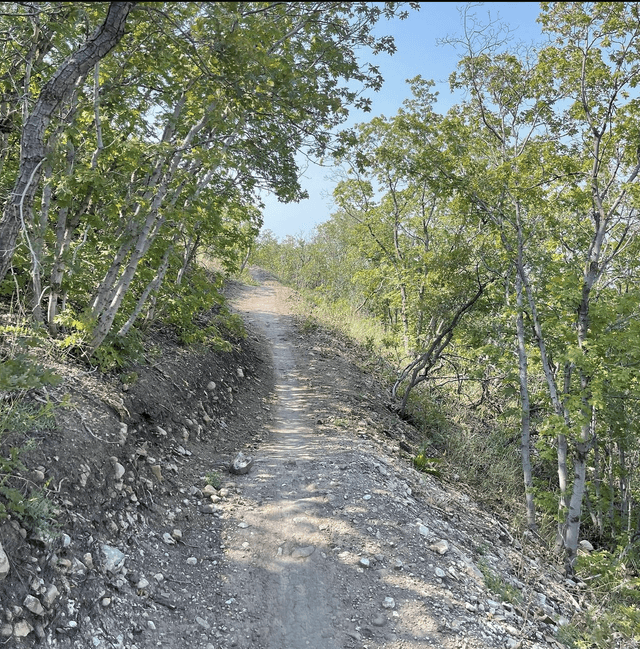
(427, 464)
(497, 585)
(214, 479)
(19, 369)
(119, 352)
(18, 497)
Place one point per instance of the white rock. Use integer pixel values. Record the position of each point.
(113, 558)
(33, 604)
(586, 546)
(168, 539)
(389, 602)
(118, 471)
(22, 629)
(424, 531)
(211, 386)
(441, 547)
(50, 596)
(4, 564)
(192, 561)
(240, 373)
(440, 573)
(364, 562)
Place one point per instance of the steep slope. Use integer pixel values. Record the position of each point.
(332, 539)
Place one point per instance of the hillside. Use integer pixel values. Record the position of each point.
(332, 539)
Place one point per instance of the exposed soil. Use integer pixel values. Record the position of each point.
(331, 540)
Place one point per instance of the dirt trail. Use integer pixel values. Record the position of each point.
(285, 551)
(336, 542)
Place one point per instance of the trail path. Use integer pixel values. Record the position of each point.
(337, 542)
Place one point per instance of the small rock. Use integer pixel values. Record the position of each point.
(303, 553)
(118, 469)
(424, 531)
(240, 373)
(389, 602)
(397, 564)
(192, 561)
(113, 558)
(38, 476)
(379, 620)
(441, 547)
(168, 539)
(22, 629)
(157, 472)
(243, 525)
(4, 564)
(6, 631)
(151, 625)
(177, 534)
(586, 546)
(440, 573)
(366, 497)
(88, 560)
(142, 584)
(209, 490)
(211, 386)
(203, 623)
(33, 604)
(106, 601)
(50, 596)
(364, 562)
(241, 464)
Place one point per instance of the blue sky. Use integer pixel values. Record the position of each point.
(418, 53)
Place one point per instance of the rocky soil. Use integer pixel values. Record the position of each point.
(330, 539)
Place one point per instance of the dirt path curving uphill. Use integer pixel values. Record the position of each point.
(337, 542)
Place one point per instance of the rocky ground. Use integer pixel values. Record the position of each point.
(330, 540)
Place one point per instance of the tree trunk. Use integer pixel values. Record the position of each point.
(19, 206)
(151, 287)
(525, 409)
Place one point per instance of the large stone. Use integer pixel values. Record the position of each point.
(241, 464)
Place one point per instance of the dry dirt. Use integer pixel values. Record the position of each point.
(331, 541)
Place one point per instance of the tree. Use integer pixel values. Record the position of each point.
(144, 169)
(18, 208)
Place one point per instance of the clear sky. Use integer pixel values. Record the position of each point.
(418, 53)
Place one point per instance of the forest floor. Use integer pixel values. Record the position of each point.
(331, 540)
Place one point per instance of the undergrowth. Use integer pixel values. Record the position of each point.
(21, 417)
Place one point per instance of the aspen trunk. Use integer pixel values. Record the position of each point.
(525, 409)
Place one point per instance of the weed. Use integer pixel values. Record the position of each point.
(497, 585)
(427, 464)
(214, 479)
(20, 373)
